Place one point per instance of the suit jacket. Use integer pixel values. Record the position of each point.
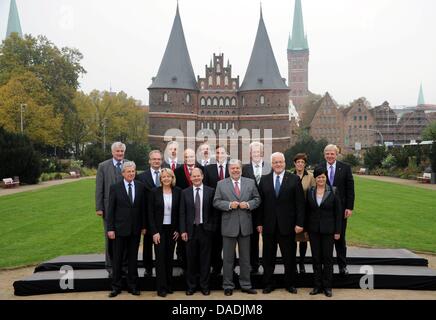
(106, 176)
(147, 179)
(233, 220)
(156, 210)
(125, 218)
(182, 181)
(248, 171)
(344, 183)
(286, 210)
(211, 175)
(187, 210)
(326, 218)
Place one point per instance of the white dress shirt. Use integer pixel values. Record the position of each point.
(168, 203)
(201, 200)
(126, 185)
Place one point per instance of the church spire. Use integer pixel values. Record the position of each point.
(13, 21)
(176, 70)
(298, 41)
(421, 100)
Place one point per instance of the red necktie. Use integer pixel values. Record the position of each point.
(221, 173)
(237, 190)
(173, 166)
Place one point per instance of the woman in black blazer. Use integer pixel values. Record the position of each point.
(323, 222)
(163, 213)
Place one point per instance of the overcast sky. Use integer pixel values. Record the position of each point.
(380, 49)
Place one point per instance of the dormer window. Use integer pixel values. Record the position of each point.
(165, 97)
(188, 98)
(262, 100)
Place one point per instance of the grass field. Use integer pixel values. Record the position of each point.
(60, 220)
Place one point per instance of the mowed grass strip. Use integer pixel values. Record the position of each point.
(43, 224)
(393, 216)
(60, 220)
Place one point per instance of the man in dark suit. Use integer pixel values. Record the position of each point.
(183, 181)
(281, 216)
(108, 173)
(255, 170)
(235, 198)
(341, 177)
(151, 179)
(126, 223)
(214, 173)
(171, 161)
(197, 224)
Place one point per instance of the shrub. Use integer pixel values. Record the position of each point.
(351, 159)
(93, 155)
(374, 156)
(18, 158)
(389, 162)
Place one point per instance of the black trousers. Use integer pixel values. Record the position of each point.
(254, 249)
(322, 255)
(164, 259)
(198, 252)
(125, 246)
(341, 247)
(302, 249)
(147, 251)
(288, 248)
(217, 249)
(181, 253)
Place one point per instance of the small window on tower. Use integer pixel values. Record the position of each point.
(233, 102)
(165, 97)
(210, 81)
(226, 80)
(188, 98)
(218, 67)
(203, 102)
(218, 80)
(262, 100)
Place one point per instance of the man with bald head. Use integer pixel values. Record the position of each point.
(281, 216)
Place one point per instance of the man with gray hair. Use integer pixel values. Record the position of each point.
(341, 177)
(108, 173)
(125, 224)
(236, 197)
(281, 216)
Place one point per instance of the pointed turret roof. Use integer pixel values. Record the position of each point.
(14, 24)
(262, 71)
(298, 41)
(175, 70)
(421, 100)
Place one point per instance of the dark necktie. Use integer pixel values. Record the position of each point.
(157, 181)
(130, 193)
(277, 186)
(173, 166)
(197, 204)
(119, 167)
(221, 173)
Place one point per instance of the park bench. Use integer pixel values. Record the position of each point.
(74, 174)
(10, 183)
(425, 178)
(362, 171)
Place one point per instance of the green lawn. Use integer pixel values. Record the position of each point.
(393, 216)
(40, 225)
(60, 220)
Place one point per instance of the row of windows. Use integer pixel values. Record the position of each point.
(217, 126)
(327, 131)
(215, 113)
(217, 102)
(360, 127)
(360, 118)
(218, 82)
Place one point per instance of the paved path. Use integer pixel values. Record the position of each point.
(41, 185)
(404, 182)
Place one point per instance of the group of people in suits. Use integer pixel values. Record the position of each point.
(211, 209)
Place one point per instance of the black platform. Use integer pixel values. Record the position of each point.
(393, 269)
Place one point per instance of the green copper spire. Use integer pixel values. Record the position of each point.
(421, 100)
(14, 20)
(298, 41)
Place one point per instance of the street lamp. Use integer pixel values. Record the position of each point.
(21, 116)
